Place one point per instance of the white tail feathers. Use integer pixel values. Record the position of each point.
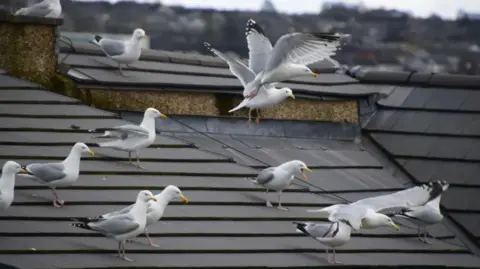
(241, 105)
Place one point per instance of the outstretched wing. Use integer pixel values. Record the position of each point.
(243, 73)
(302, 48)
(259, 46)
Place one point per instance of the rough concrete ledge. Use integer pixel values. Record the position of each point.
(10, 18)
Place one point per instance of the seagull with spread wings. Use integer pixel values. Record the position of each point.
(267, 96)
(364, 213)
(289, 57)
(130, 137)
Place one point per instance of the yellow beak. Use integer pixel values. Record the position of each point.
(91, 152)
(395, 226)
(163, 116)
(303, 172)
(145, 37)
(292, 96)
(184, 199)
(23, 171)
(314, 74)
(154, 198)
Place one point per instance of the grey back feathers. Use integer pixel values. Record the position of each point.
(265, 176)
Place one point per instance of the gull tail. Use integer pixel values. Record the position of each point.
(81, 226)
(241, 105)
(301, 227)
(252, 180)
(87, 219)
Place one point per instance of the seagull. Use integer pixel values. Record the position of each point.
(46, 9)
(330, 234)
(289, 57)
(131, 137)
(122, 226)
(122, 51)
(267, 96)
(60, 174)
(364, 213)
(424, 215)
(154, 208)
(279, 178)
(7, 183)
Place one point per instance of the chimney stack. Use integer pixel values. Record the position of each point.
(28, 47)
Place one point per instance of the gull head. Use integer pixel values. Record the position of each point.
(139, 34)
(303, 70)
(287, 92)
(146, 196)
(175, 193)
(154, 113)
(387, 221)
(299, 166)
(12, 167)
(81, 147)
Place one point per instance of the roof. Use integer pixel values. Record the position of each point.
(225, 224)
(430, 127)
(158, 70)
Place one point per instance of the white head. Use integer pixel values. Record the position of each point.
(12, 167)
(303, 70)
(145, 196)
(383, 220)
(298, 166)
(139, 34)
(287, 92)
(174, 193)
(81, 147)
(153, 113)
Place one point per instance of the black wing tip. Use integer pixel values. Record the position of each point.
(301, 227)
(252, 26)
(97, 38)
(208, 46)
(80, 225)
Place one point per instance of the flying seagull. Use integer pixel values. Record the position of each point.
(62, 174)
(130, 137)
(279, 178)
(45, 9)
(289, 57)
(267, 96)
(122, 226)
(364, 213)
(122, 51)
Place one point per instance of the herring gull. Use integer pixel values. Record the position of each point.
(330, 234)
(122, 51)
(122, 226)
(130, 137)
(279, 178)
(364, 213)
(267, 96)
(155, 209)
(62, 174)
(290, 56)
(424, 215)
(7, 183)
(45, 9)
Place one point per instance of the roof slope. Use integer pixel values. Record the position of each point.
(170, 71)
(225, 225)
(434, 133)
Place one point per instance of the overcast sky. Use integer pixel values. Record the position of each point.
(422, 8)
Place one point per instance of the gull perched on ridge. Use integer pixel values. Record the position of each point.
(122, 226)
(130, 137)
(46, 9)
(330, 234)
(7, 183)
(424, 215)
(62, 174)
(267, 96)
(279, 178)
(364, 213)
(122, 51)
(155, 209)
(289, 57)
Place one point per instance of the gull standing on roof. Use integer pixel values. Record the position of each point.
(289, 57)
(122, 226)
(267, 96)
(424, 215)
(130, 137)
(279, 178)
(45, 9)
(330, 234)
(155, 209)
(364, 213)
(62, 174)
(122, 51)
(7, 183)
